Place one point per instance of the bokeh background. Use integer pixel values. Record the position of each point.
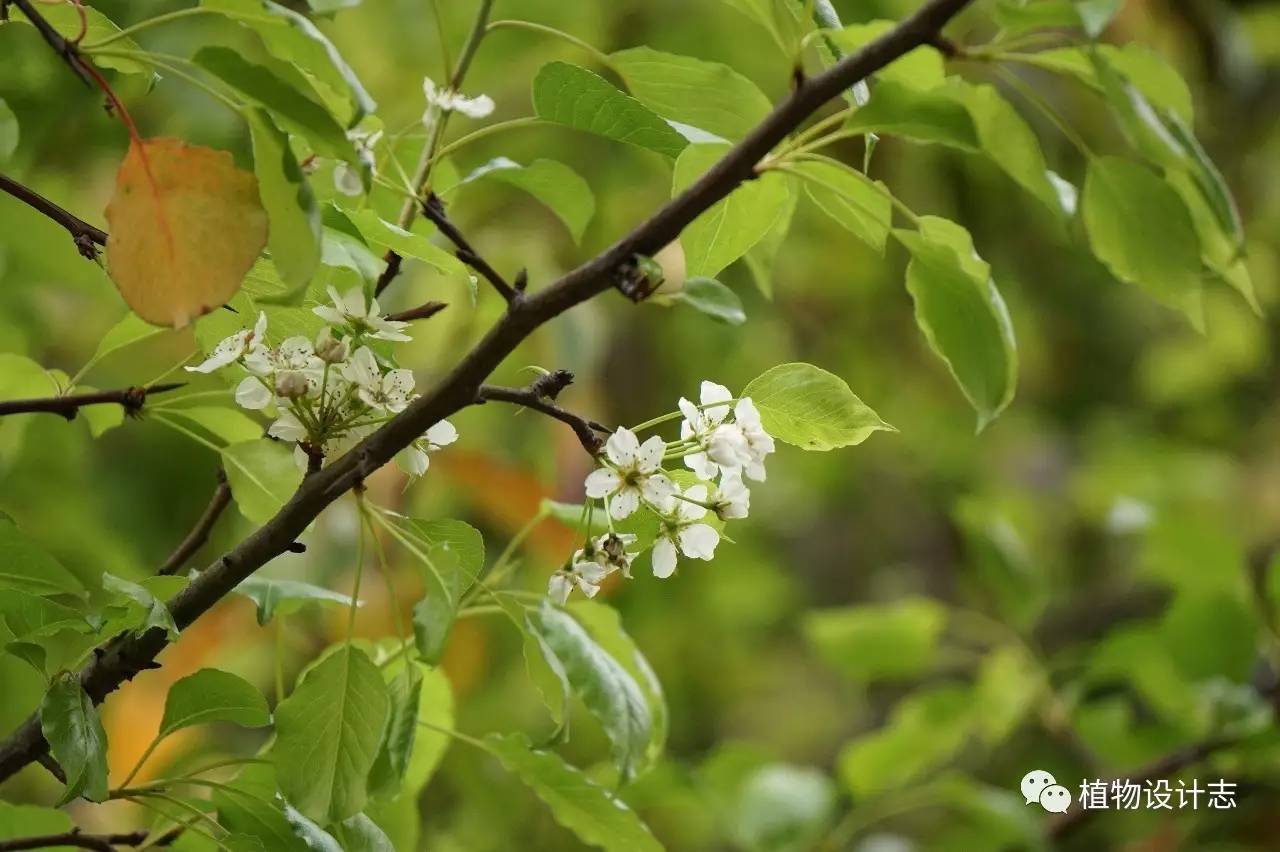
(1111, 532)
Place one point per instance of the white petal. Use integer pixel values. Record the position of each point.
(331, 315)
(442, 434)
(649, 455)
(477, 107)
(702, 466)
(698, 541)
(353, 303)
(712, 392)
(559, 587)
(287, 428)
(300, 458)
(657, 489)
(602, 482)
(252, 394)
(692, 511)
(588, 588)
(622, 447)
(692, 416)
(346, 180)
(398, 383)
(746, 414)
(624, 503)
(413, 461)
(664, 558)
(260, 328)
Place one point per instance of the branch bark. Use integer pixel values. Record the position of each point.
(87, 238)
(433, 210)
(123, 658)
(539, 396)
(132, 399)
(96, 842)
(200, 532)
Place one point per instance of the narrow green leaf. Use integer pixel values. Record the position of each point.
(578, 98)
(710, 297)
(1006, 689)
(850, 198)
(586, 809)
(211, 695)
(8, 132)
(71, 726)
(294, 218)
(706, 95)
(807, 407)
(404, 690)
(262, 475)
(556, 185)
(729, 228)
(285, 596)
(24, 565)
(962, 313)
(327, 735)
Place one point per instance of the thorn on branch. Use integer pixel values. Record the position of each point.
(296, 547)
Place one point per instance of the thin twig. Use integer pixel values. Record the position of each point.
(97, 842)
(200, 532)
(423, 311)
(60, 45)
(132, 399)
(433, 209)
(86, 236)
(538, 396)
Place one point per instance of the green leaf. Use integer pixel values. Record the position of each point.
(65, 18)
(262, 475)
(730, 227)
(588, 810)
(578, 98)
(212, 695)
(1140, 228)
(383, 234)
(934, 115)
(544, 667)
(705, 95)
(962, 313)
(878, 642)
(556, 185)
(281, 101)
(924, 732)
(453, 554)
(710, 297)
(1020, 16)
(154, 612)
(327, 735)
(604, 625)
(130, 330)
(8, 132)
(1153, 76)
(606, 688)
(249, 805)
(1007, 140)
(294, 218)
(293, 38)
(361, 834)
(22, 821)
(404, 690)
(921, 68)
(851, 198)
(24, 565)
(807, 407)
(228, 425)
(286, 596)
(71, 726)
(315, 837)
(1007, 687)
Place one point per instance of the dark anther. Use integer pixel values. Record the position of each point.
(296, 547)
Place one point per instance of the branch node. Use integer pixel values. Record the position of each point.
(296, 547)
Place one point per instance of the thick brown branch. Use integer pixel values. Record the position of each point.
(86, 236)
(200, 532)
(121, 659)
(538, 396)
(132, 399)
(97, 842)
(433, 209)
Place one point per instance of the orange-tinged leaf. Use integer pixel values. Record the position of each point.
(186, 226)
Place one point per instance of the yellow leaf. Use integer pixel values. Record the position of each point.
(186, 226)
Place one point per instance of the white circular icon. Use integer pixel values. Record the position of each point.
(1034, 782)
(1055, 799)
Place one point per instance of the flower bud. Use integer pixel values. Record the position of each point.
(331, 349)
(291, 385)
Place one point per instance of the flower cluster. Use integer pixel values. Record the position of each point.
(722, 440)
(328, 394)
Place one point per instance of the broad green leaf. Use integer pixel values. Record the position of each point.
(327, 735)
(294, 219)
(285, 596)
(807, 407)
(921, 68)
(604, 624)
(212, 695)
(934, 115)
(588, 810)
(249, 805)
(1007, 140)
(383, 234)
(1140, 228)
(706, 95)
(70, 724)
(578, 98)
(878, 641)
(228, 425)
(65, 18)
(925, 731)
(154, 612)
(8, 132)
(606, 688)
(962, 313)
(556, 185)
(316, 838)
(544, 667)
(763, 257)
(1221, 249)
(729, 228)
(29, 616)
(1153, 76)
(452, 553)
(404, 692)
(284, 104)
(853, 200)
(130, 330)
(25, 566)
(293, 38)
(262, 475)
(1092, 16)
(710, 297)
(361, 834)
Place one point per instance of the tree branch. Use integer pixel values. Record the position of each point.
(433, 210)
(423, 311)
(539, 396)
(60, 45)
(86, 236)
(96, 842)
(132, 399)
(200, 532)
(122, 658)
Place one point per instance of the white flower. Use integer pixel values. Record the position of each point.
(234, 348)
(294, 355)
(759, 442)
(731, 499)
(287, 427)
(388, 393)
(635, 473)
(607, 552)
(363, 318)
(253, 393)
(330, 349)
(447, 100)
(682, 532)
(346, 180)
(588, 576)
(723, 444)
(414, 459)
(559, 587)
(349, 180)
